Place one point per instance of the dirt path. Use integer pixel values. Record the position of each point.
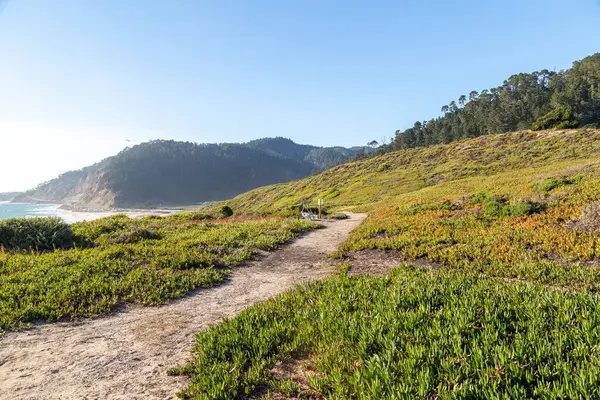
(126, 356)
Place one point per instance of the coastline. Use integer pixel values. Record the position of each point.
(72, 215)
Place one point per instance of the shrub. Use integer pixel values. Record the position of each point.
(480, 198)
(339, 215)
(226, 211)
(550, 184)
(445, 205)
(336, 255)
(383, 167)
(42, 234)
(498, 206)
(523, 208)
(559, 118)
(133, 236)
(87, 232)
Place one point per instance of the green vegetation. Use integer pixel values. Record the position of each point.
(35, 234)
(542, 99)
(508, 227)
(338, 216)
(320, 158)
(169, 173)
(117, 259)
(559, 118)
(547, 185)
(226, 211)
(454, 170)
(412, 334)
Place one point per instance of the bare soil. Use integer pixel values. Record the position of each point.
(375, 262)
(127, 355)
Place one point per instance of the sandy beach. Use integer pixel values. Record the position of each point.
(72, 216)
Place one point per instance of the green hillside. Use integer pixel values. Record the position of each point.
(370, 181)
(495, 294)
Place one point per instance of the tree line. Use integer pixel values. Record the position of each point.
(538, 100)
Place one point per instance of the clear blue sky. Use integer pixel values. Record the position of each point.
(79, 78)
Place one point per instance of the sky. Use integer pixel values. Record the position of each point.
(81, 80)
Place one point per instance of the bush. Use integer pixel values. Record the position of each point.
(383, 167)
(41, 234)
(445, 205)
(550, 184)
(133, 236)
(338, 215)
(559, 118)
(480, 198)
(226, 211)
(498, 207)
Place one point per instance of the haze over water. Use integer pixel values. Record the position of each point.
(14, 210)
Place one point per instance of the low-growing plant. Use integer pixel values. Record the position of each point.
(444, 205)
(336, 255)
(344, 267)
(480, 198)
(411, 334)
(145, 261)
(550, 184)
(383, 167)
(338, 216)
(286, 387)
(132, 236)
(41, 234)
(499, 206)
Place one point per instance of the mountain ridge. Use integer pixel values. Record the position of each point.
(172, 173)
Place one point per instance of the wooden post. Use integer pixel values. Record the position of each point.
(320, 203)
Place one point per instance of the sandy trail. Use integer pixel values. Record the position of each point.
(126, 355)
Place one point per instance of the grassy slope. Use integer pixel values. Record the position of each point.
(146, 261)
(412, 334)
(386, 177)
(511, 312)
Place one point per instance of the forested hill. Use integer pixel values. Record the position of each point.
(320, 158)
(538, 100)
(168, 173)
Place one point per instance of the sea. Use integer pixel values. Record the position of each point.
(14, 210)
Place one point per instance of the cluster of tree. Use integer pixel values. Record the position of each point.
(320, 158)
(542, 100)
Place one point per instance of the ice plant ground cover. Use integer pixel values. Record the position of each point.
(411, 334)
(505, 304)
(119, 260)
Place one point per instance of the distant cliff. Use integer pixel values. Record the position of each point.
(169, 173)
(8, 196)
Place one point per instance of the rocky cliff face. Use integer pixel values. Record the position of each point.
(78, 189)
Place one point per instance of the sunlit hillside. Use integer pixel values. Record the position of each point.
(494, 294)
(453, 170)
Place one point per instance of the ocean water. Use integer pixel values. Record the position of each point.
(13, 210)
